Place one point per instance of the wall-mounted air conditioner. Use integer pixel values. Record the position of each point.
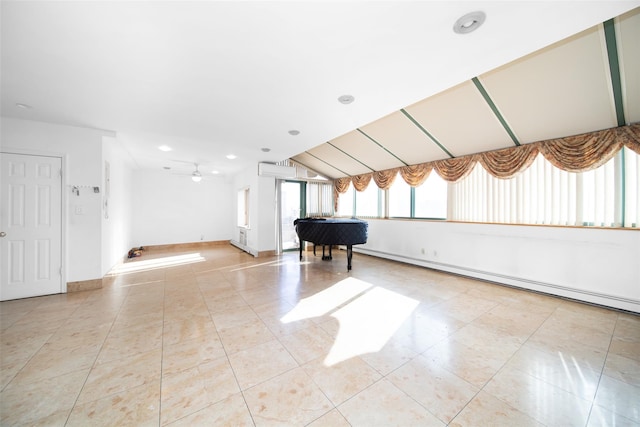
(269, 169)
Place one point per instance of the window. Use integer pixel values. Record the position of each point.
(319, 199)
(369, 201)
(431, 198)
(346, 202)
(400, 199)
(243, 208)
(544, 194)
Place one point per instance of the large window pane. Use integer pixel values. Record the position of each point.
(400, 199)
(345, 202)
(431, 198)
(368, 201)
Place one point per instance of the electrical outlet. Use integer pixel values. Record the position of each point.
(79, 210)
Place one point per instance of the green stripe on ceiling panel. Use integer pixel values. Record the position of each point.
(383, 147)
(326, 163)
(614, 68)
(495, 110)
(426, 132)
(344, 152)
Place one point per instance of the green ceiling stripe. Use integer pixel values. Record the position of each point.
(614, 68)
(426, 132)
(344, 152)
(326, 163)
(381, 146)
(495, 110)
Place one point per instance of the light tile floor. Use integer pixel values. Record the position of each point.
(222, 338)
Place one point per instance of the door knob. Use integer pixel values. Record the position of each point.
(2, 234)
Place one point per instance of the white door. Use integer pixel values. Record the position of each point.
(30, 226)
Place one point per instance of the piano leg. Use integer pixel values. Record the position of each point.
(301, 245)
(349, 255)
(325, 257)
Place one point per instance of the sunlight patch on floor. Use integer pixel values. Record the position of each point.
(327, 300)
(368, 322)
(155, 263)
(368, 316)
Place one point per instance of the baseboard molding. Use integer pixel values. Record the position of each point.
(185, 246)
(245, 248)
(84, 285)
(614, 301)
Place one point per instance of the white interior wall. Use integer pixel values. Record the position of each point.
(116, 204)
(170, 209)
(261, 234)
(591, 264)
(81, 149)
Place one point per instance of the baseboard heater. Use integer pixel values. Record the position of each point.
(613, 301)
(245, 248)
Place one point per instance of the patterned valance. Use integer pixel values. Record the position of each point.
(416, 175)
(384, 179)
(579, 153)
(360, 182)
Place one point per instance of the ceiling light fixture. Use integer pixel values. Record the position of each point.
(23, 106)
(469, 22)
(196, 176)
(165, 148)
(215, 172)
(265, 150)
(294, 132)
(346, 99)
(231, 156)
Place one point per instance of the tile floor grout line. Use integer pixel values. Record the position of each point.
(604, 365)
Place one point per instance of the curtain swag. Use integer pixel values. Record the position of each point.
(384, 179)
(453, 170)
(507, 163)
(360, 182)
(416, 175)
(579, 153)
(342, 184)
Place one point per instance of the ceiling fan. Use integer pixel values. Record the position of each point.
(196, 175)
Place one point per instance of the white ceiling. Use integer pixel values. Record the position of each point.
(210, 78)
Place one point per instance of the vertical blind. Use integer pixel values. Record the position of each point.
(543, 194)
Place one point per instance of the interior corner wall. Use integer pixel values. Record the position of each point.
(116, 214)
(595, 265)
(172, 209)
(261, 233)
(81, 149)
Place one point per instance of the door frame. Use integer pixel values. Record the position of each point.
(303, 205)
(63, 203)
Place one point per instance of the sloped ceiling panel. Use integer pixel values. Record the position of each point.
(318, 166)
(374, 156)
(461, 120)
(558, 91)
(403, 138)
(339, 160)
(629, 54)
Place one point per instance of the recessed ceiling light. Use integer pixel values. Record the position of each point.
(294, 132)
(346, 99)
(265, 150)
(23, 106)
(215, 172)
(166, 167)
(469, 22)
(231, 156)
(165, 148)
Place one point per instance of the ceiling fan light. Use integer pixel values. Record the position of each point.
(196, 176)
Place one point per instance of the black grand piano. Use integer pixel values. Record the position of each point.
(333, 231)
